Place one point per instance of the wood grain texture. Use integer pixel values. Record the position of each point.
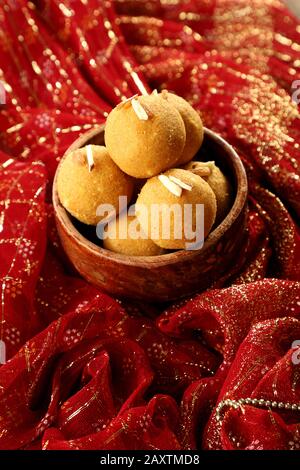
(169, 276)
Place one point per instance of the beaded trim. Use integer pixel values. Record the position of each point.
(256, 402)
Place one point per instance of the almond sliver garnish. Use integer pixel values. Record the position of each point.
(155, 92)
(139, 110)
(172, 187)
(90, 158)
(127, 100)
(180, 183)
(203, 169)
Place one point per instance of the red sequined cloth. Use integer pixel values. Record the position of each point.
(220, 371)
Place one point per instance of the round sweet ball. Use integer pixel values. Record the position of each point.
(218, 183)
(87, 178)
(193, 126)
(168, 210)
(125, 236)
(145, 136)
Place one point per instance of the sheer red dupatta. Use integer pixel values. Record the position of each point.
(84, 371)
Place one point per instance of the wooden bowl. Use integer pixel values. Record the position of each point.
(170, 276)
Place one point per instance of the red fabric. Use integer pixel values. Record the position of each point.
(84, 370)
